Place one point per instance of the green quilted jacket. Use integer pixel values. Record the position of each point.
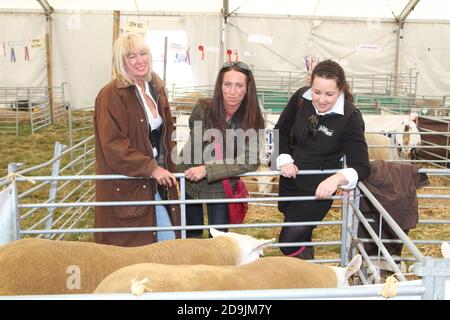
(211, 186)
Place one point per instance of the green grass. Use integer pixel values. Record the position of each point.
(30, 149)
(34, 149)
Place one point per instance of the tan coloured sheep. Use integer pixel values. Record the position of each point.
(445, 249)
(262, 184)
(380, 153)
(265, 273)
(38, 266)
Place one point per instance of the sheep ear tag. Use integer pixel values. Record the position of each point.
(445, 248)
(353, 266)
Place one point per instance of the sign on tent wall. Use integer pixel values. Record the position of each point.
(22, 50)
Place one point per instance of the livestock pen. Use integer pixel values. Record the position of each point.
(68, 215)
(61, 207)
(25, 110)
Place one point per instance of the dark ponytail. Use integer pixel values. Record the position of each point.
(346, 89)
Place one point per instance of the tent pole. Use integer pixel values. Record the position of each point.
(224, 36)
(399, 36)
(165, 58)
(116, 28)
(48, 48)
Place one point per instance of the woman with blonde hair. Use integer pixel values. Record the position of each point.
(133, 128)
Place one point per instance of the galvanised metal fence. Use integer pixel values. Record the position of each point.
(432, 272)
(25, 110)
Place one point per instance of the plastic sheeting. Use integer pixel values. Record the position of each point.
(8, 229)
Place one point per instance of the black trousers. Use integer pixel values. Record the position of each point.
(386, 233)
(300, 211)
(217, 214)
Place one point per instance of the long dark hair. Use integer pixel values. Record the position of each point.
(249, 115)
(329, 69)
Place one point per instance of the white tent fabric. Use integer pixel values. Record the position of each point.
(205, 31)
(17, 32)
(426, 9)
(427, 47)
(8, 229)
(82, 54)
(293, 39)
(268, 34)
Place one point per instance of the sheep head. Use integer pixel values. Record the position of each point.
(406, 142)
(250, 248)
(265, 184)
(343, 274)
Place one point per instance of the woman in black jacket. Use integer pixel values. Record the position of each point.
(316, 129)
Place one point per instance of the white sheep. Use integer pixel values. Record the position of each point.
(265, 273)
(408, 137)
(408, 141)
(445, 248)
(38, 266)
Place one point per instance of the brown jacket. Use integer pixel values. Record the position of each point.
(122, 146)
(394, 185)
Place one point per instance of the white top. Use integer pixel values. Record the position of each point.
(153, 122)
(349, 173)
(337, 108)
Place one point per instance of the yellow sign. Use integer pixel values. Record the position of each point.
(36, 43)
(140, 27)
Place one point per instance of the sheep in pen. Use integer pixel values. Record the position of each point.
(402, 145)
(405, 136)
(39, 266)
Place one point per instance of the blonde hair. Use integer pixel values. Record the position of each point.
(123, 47)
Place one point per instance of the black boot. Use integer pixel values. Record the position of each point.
(196, 234)
(306, 254)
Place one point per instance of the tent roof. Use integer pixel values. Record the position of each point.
(382, 9)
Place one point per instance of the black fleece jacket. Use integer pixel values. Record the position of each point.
(337, 135)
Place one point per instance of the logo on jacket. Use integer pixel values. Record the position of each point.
(325, 130)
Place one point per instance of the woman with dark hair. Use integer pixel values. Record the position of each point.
(317, 128)
(230, 121)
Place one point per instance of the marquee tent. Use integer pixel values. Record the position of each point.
(58, 41)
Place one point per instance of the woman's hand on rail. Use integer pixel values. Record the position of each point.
(289, 170)
(164, 177)
(195, 173)
(329, 186)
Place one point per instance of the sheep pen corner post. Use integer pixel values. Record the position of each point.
(116, 28)
(49, 58)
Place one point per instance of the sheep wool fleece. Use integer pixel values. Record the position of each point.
(39, 266)
(265, 273)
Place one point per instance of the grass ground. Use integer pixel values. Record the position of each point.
(30, 149)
